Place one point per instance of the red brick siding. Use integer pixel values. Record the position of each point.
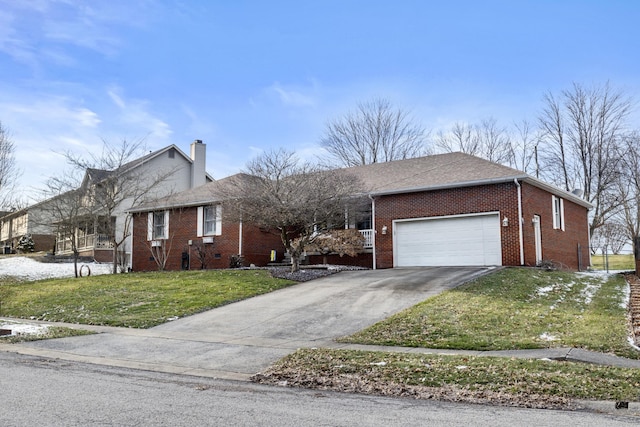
(43, 242)
(557, 245)
(183, 227)
(257, 244)
(456, 201)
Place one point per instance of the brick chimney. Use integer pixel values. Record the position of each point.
(199, 165)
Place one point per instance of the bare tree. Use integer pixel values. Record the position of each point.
(629, 186)
(115, 186)
(9, 173)
(487, 140)
(65, 211)
(582, 134)
(612, 236)
(374, 132)
(525, 147)
(298, 200)
(204, 253)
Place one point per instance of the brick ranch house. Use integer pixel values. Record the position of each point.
(176, 229)
(444, 210)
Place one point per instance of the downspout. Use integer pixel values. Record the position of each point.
(240, 238)
(373, 224)
(520, 220)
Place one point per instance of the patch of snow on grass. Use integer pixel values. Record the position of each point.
(632, 343)
(626, 296)
(545, 336)
(23, 268)
(545, 290)
(589, 292)
(23, 328)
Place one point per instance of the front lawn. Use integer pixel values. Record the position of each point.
(515, 308)
(498, 381)
(138, 300)
(625, 262)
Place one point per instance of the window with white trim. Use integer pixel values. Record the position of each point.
(209, 220)
(557, 205)
(158, 225)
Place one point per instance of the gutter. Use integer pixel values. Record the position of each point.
(523, 177)
(520, 221)
(373, 225)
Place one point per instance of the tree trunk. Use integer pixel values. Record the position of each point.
(75, 263)
(114, 258)
(295, 262)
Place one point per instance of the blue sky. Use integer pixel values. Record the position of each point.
(246, 76)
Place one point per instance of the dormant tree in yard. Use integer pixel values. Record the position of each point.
(117, 187)
(629, 186)
(582, 131)
(375, 132)
(66, 210)
(298, 200)
(9, 173)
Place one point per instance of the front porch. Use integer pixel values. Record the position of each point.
(84, 243)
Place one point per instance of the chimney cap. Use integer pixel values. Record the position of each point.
(197, 141)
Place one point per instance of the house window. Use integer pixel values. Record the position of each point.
(158, 225)
(209, 220)
(558, 213)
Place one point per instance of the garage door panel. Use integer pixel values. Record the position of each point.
(469, 240)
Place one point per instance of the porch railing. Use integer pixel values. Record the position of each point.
(368, 238)
(85, 242)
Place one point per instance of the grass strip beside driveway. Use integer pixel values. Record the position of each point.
(515, 308)
(519, 382)
(138, 300)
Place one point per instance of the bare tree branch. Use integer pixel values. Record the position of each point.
(582, 134)
(298, 200)
(375, 132)
(9, 173)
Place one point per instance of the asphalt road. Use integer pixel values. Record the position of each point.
(36, 391)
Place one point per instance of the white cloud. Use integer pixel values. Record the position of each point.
(37, 33)
(135, 114)
(294, 96)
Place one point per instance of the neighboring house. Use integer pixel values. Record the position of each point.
(179, 173)
(443, 210)
(32, 220)
(177, 230)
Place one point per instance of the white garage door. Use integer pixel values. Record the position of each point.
(466, 240)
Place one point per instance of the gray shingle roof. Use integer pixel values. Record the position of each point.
(208, 193)
(431, 172)
(400, 176)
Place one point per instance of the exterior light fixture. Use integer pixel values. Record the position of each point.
(505, 222)
(384, 229)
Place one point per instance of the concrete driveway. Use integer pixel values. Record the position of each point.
(241, 339)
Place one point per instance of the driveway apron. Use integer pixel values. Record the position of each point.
(241, 339)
